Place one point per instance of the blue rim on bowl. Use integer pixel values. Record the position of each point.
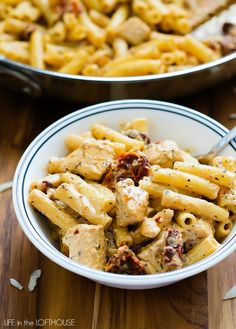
(55, 255)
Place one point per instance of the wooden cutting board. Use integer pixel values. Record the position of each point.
(194, 303)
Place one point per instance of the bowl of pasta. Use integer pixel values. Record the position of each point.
(112, 192)
(93, 51)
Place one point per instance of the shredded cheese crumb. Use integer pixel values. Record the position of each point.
(16, 284)
(230, 294)
(33, 279)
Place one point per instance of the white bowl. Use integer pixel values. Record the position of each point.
(191, 130)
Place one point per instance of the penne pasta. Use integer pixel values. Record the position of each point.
(199, 50)
(139, 124)
(109, 5)
(139, 6)
(47, 182)
(119, 17)
(106, 195)
(48, 208)
(159, 6)
(74, 141)
(101, 200)
(205, 248)
(96, 35)
(154, 190)
(68, 194)
(37, 50)
(55, 165)
(102, 132)
(223, 229)
(76, 64)
(185, 219)
(16, 50)
(196, 206)
(120, 47)
(135, 67)
(185, 181)
(213, 174)
(99, 18)
(93, 4)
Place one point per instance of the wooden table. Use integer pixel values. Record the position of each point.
(195, 303)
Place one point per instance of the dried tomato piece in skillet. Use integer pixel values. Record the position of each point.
(129, 165)
(228, 41)
(68, 6)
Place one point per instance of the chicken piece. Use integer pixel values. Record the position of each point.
(198, 231)
(163, 153)
(152, 255)
(134, 31)
(164, 217)
(124, 262)
(91, 160)
(200, 11)
(163, 254)
(129, 165)
(131, 203)
(146, 231)
(86, 245)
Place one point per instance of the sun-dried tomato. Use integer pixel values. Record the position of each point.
(173, 250)
(129, 165)
(125, 262)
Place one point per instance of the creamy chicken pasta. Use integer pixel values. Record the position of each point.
(109, 38)
(122, 203)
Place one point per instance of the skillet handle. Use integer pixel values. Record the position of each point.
(14, 78)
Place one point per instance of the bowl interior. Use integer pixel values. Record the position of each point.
(189, 129)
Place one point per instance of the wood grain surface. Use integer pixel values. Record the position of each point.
(194, 303)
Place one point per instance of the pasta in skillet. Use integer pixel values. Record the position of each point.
(107, 38)
(123, 204)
